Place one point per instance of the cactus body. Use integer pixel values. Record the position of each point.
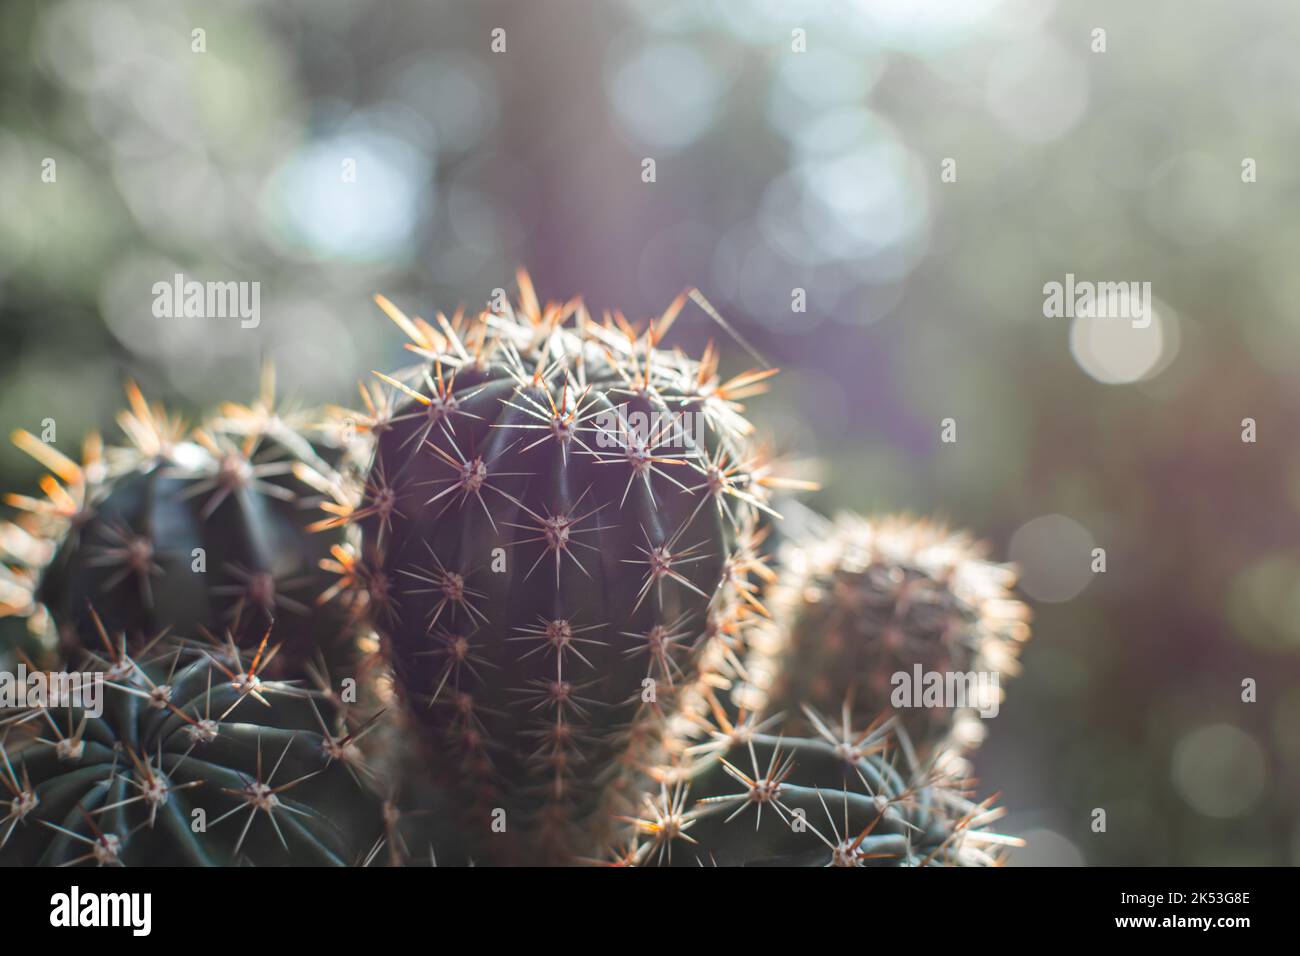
(196, 764)
(556, 511)
(834, 798)
(862, 601)
(210, 530)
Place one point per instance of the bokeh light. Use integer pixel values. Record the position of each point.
(1054, 553)
(1219, 770)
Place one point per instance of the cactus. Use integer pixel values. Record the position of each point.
(555, 545)
(28, 543)
(204, 530)
(862, 600)
(190, 763)
(742, 783)
(834, 798)
(543, 566)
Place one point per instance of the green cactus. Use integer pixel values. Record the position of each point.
(862, 600)
(198, 763)
(559, 511)
(835, 798)
(204, 530)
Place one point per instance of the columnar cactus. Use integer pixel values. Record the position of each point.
(198, 763)
(864, 604)
(555, 514)
(210, 529)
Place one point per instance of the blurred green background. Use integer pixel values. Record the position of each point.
(784, 160)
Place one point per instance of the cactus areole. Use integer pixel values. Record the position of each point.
(552, 516)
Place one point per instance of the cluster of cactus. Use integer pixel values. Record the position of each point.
(541, 619)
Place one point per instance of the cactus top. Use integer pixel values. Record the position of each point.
(179, 529)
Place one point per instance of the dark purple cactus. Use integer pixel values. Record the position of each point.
(556, 515)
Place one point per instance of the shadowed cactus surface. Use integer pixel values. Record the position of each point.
(557, 511)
